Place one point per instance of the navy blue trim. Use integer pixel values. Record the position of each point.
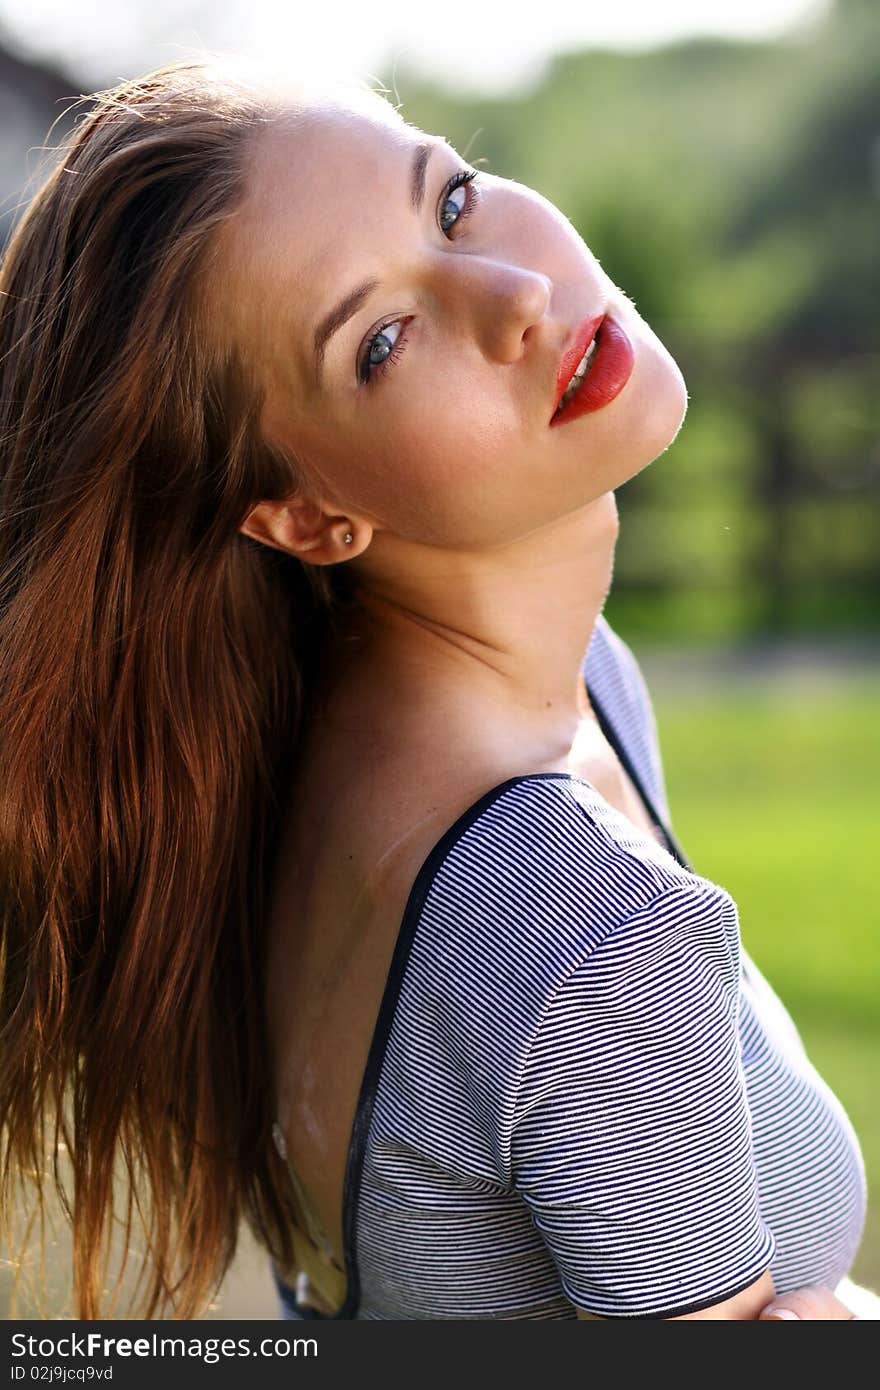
(677, 1312)
(378, 1045)
(610, 733)
(364, 1113)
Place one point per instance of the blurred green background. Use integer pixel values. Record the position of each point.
(732, 189)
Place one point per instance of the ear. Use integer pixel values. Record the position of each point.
(304, 529)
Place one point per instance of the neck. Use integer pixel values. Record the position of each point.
(500, 634)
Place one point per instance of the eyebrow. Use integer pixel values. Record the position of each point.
(350, 304)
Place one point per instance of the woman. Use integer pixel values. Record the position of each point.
(292, 638)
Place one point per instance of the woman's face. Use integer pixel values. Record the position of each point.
(423, 407)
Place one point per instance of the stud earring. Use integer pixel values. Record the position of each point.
(348, 538)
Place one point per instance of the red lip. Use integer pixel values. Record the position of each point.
(610, 369)
(584, 335)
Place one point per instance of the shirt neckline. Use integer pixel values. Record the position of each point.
(391, 992)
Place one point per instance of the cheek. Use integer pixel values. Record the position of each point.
(448, 455)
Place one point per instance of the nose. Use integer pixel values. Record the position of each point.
(497, 300)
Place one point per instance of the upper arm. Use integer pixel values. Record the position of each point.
(632, 1144)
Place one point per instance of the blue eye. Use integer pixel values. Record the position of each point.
(380, 351)
(448, 207)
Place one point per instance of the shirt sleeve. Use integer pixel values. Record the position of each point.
(632, 1139)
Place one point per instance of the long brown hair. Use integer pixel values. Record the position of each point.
(154, 667)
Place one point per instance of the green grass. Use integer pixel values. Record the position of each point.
(775, 795)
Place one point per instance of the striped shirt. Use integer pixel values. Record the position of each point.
(580, 1089)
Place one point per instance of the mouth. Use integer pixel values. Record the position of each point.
(573, 359)
(594, 370)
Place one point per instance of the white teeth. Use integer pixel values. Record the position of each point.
(580, 369)
(580, 372)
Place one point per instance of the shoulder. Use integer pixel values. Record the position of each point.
(540, 912)
(536, 881)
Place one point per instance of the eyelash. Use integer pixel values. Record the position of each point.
(367, 375)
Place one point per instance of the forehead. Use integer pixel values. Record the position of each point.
(316, 149)
(297, 231)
